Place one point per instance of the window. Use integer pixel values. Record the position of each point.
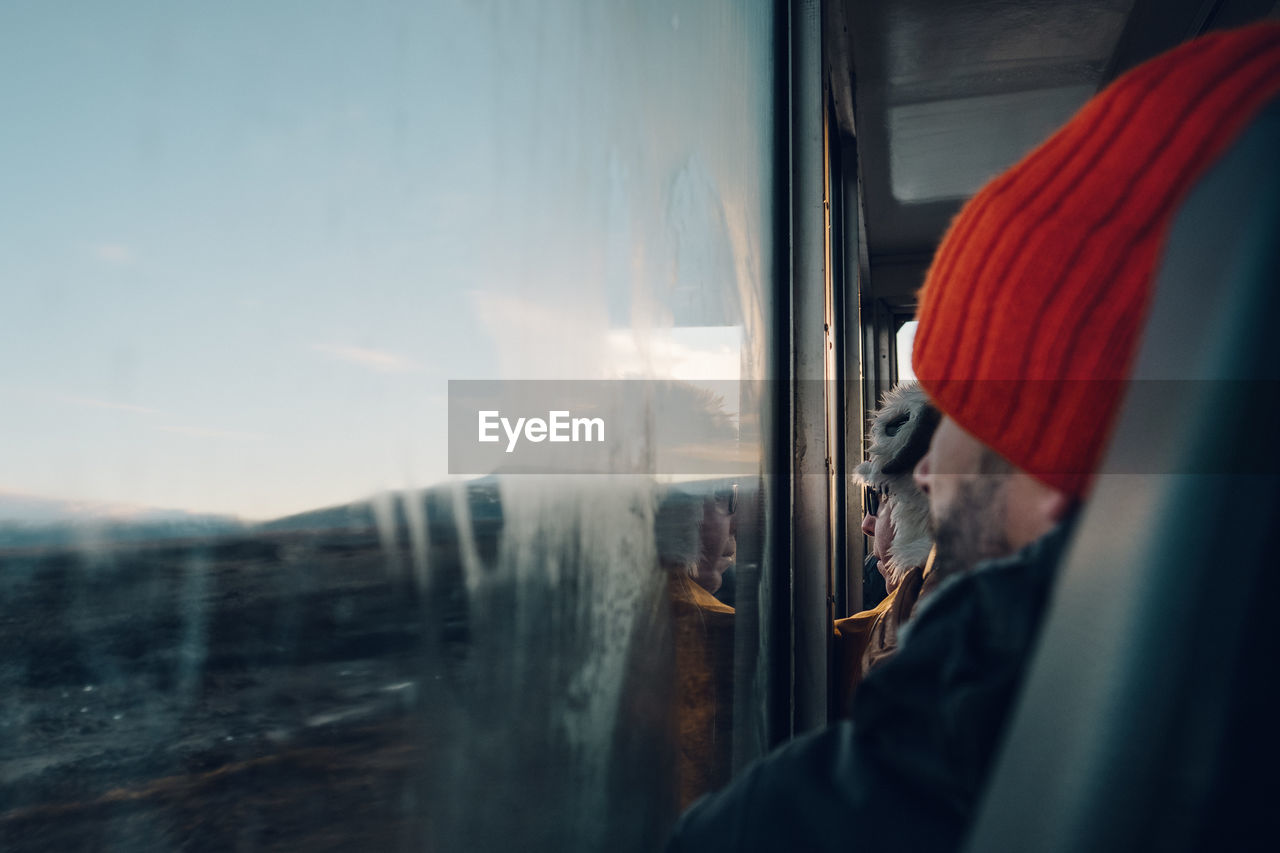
(906, 339)
(243, 603)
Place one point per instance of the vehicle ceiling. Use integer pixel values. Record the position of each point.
(941, 95)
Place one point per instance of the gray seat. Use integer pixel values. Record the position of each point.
(1149, 720)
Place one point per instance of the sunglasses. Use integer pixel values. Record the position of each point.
(728, 498)
(871, 500)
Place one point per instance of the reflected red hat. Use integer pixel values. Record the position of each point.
(1031, 311)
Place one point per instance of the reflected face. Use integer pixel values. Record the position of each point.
(967, 486)
(718, 544)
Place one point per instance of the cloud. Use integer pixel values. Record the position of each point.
(207, 432)
(536, 340)
(105, 404)
(684, 352)
(380, 360)
(114, 253)
(571, 341)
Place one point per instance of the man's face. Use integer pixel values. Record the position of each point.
(967, 485)
(718, 544)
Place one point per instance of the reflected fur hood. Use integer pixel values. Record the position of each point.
(900, 434)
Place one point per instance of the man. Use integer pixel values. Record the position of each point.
(898, 521)
(1029, 321)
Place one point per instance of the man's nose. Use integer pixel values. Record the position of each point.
(921, 473)
(869, 524)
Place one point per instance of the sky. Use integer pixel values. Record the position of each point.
(244, 246)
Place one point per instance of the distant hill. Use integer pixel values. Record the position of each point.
(482, 495)
(357, 515)
(29, 521)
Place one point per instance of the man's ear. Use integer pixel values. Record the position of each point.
(1057, 505)
(1032, 508)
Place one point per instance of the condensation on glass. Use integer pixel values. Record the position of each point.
(243, 605)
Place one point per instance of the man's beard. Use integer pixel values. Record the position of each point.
(973, 529)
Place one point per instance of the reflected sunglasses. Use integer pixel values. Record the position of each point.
(728, 498)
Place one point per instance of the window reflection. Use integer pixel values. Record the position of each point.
(243, 603)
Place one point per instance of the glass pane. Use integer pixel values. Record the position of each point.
(243, 602)
(906, 339)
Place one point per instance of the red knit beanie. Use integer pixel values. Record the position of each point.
(1031, 311)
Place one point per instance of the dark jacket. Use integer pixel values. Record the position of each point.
(873, 588)
(907, 771)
